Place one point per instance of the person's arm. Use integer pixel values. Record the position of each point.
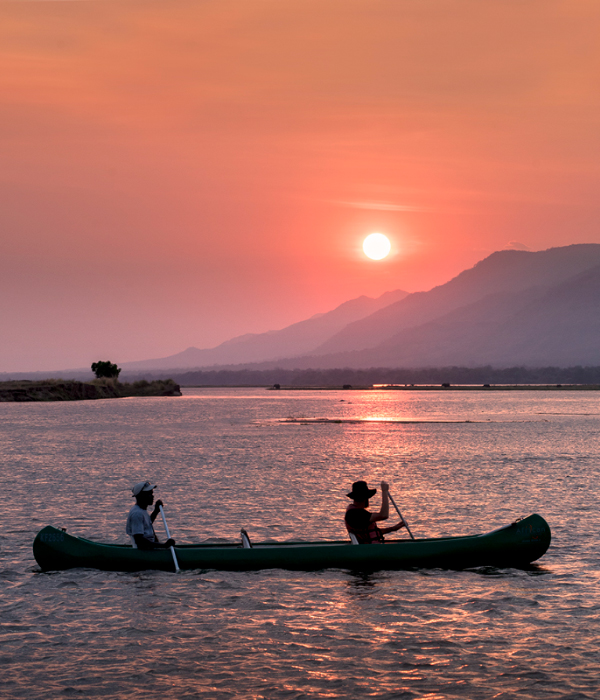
(156, 510)
(143, 543)
(393, 528)
(384, 512)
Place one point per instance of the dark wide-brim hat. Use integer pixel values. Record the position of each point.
(361, 491)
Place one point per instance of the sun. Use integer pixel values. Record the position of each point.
(376, 246)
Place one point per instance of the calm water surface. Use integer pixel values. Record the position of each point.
(223, 459)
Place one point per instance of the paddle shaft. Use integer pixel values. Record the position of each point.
(162, 512)
(401, 516)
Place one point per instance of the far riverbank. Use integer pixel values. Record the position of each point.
(446, 387)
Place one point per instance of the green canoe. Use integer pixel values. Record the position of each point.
(517, 544)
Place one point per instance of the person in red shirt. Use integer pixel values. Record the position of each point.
(363, 524)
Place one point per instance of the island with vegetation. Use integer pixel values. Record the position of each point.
(105, 386)
(72, 390)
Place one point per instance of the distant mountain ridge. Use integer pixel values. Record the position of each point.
(554, 321)
(297, 339)
(503, 271)
(514, 308)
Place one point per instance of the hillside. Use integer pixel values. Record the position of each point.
(546, 325)
(297, 339)
(514, 308)
(506, 271)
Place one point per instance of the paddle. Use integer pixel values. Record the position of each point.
(162, 512)
(401, 516)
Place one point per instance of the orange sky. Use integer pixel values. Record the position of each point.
(176, 173)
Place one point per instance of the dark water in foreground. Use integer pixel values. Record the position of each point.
(222, 461)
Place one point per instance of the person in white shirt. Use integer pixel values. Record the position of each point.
(139, 521)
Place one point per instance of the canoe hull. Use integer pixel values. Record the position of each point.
(515, 545)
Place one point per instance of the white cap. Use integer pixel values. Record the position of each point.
(142, 486)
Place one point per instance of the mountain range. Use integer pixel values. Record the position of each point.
(512, 308)
(297, 339)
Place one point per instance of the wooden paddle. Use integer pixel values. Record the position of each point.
(162, 512)
(400, 514)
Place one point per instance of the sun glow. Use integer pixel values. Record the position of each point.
(376, 246)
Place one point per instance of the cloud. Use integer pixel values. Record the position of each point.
(515, 245)
(382, 206)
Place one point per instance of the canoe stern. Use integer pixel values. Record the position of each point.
(55, 550)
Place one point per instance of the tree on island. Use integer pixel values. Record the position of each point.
(106, 369)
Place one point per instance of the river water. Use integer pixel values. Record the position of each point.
(457, 462)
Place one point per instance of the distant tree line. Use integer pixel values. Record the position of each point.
(379, 375)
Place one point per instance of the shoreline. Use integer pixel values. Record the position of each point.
(25, 391)
(412, 387)
(458, 387)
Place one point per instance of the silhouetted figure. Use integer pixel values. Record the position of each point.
(360, 522)
(139, 521)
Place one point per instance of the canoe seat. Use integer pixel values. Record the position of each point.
(246, 544)
(353, 538)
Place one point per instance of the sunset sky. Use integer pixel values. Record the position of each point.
(177, 173)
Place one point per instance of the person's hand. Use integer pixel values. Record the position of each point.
(157, 506)
(399, 526)
(170, 542)
(385, 486)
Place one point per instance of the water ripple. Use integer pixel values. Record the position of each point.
(223, 460)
